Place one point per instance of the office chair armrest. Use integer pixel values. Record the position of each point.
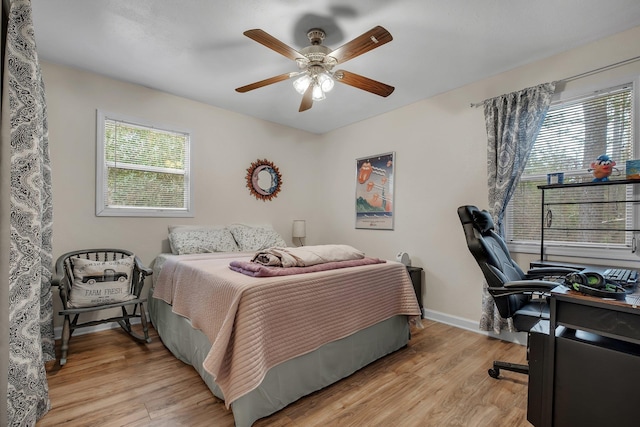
(518, 287)
(533, 285)
(550, 271)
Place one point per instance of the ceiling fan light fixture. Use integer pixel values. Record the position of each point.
(318, 94)
(316, 62)
(301, 84)
(325, 82)
(321, 82)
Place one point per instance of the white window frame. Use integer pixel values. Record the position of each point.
(575, 250)
(102, 209)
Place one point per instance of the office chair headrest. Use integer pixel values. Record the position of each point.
(482, 220)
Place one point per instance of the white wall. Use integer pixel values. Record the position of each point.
(440, 146)
(224, 145)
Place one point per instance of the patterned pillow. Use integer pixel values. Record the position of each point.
(98, 283)
(203, 240)
(256, 238)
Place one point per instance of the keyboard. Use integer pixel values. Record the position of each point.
(622, 276)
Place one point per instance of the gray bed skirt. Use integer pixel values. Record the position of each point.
(289, 381)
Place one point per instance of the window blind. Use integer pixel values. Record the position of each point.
(145, 167)
(574, 133)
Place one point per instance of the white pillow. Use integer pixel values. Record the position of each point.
(184, 227)
(185, 241)
(256, 238)
(101, 282)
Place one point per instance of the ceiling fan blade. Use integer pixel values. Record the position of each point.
(273, 43)
(364, 83)
(266, 82)
(307, 99)
(370, 40)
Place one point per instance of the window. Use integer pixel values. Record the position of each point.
(574, 134)
(142, 169)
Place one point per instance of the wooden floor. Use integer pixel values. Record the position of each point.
(440, 380)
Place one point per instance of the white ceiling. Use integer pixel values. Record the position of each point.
(195, 48)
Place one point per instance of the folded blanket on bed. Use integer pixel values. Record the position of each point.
(258, 270)
(305, 256)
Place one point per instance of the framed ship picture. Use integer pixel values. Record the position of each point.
(374, 191)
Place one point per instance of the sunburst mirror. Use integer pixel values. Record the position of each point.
(263, 179)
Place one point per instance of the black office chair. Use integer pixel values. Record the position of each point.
(517, 295)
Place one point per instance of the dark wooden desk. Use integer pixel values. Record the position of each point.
(591, 364)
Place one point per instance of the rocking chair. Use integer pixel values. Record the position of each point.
(131, 304)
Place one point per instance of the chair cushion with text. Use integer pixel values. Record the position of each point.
(98, 283)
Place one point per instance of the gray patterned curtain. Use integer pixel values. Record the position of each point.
(28, 204)
(513, 122)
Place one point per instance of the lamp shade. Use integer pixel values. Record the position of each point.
(299, 228)
(302, 84)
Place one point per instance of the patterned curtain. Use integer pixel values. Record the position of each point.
(513, 122)
(31, 342)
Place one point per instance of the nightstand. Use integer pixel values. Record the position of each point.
(416, 278)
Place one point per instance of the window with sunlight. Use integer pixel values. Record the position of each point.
(143, 169)
(574, 134)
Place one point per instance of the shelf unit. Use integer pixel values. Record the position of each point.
(545, 205)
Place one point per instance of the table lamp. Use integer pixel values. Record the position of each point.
(299, 230)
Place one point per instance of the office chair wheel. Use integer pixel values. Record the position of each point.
(494, 373)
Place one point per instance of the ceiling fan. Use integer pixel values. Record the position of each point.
(316, 63)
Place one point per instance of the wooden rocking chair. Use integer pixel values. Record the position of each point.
(131, 308)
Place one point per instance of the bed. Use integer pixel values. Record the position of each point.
(261, 343)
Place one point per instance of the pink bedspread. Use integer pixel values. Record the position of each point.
(254, 269)
(255, 323)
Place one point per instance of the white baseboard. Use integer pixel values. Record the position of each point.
(448, 319)
(469, 325)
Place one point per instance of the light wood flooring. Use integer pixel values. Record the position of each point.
(440, 379)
